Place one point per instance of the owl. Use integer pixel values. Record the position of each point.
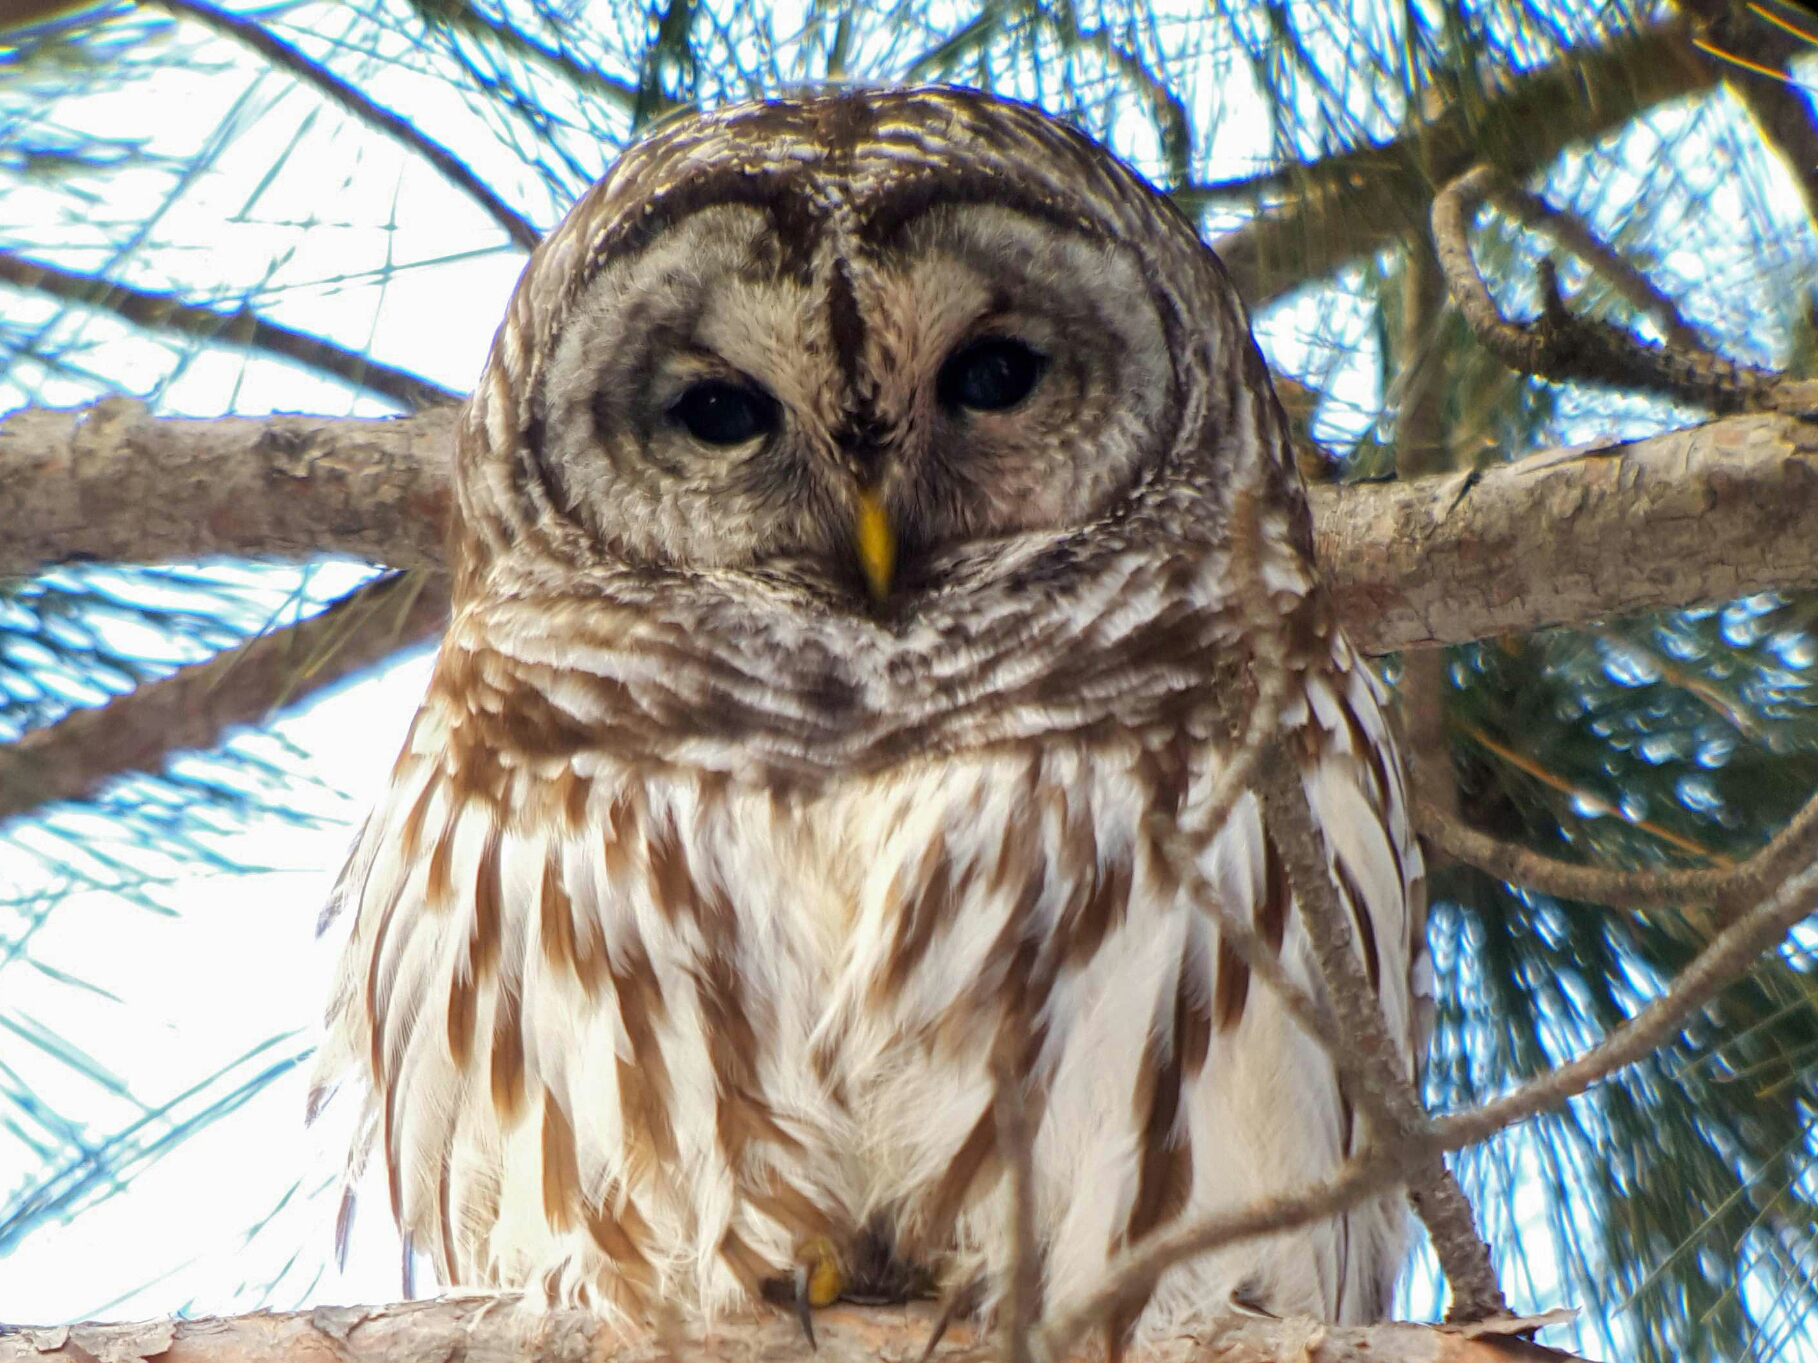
(847, 603)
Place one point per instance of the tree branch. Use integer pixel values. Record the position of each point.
(1352, 204)
(113, 482)
(194, 706)
(1563, 346)
(1693, 517)
(500, 1330)
(241, 328)
(1728, 890)
(1389, 1099)
(1719, 965)
(1573, 233)
(337, 91)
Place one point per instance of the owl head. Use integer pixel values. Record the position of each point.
(859, 342)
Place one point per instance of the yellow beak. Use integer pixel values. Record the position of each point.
(876, 545)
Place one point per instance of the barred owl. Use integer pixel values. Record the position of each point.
(844, 597)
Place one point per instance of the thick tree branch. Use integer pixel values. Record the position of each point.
(499, 1330)
(194, 706)
(112, 482)
(162, 312)
(332, 88)
(1693, 517)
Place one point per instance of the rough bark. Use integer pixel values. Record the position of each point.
(1693, 517)
(494, 1330)
(112, 482)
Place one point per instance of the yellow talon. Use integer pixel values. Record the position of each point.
(825, 1282)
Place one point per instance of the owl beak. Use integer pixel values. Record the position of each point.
(876, 543)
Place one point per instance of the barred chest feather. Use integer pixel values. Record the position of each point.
(636, 1033)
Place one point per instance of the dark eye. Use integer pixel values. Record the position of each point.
(990, 375)
(721, 413)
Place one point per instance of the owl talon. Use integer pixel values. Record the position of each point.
(804, 1306)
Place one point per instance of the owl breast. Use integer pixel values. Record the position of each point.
(640, 1033)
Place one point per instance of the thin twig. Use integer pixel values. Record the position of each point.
(1133, 1277)
(326, 83)
(1573, 233)
(195, 706)
(1389, 1100)
(239, 328)
(1729, 890)
(1562, 346)
(1726, 960)
(1384, 1086)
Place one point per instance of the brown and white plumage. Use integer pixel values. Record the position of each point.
(713, 875)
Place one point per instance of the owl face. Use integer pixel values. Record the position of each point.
(850, 341)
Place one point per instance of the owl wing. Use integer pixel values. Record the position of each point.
(544, 992)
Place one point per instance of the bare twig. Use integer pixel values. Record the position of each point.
(240, 328)
(1134, 1276)
(1562, 346)
(1724, 961)
(331, 87)
(1573, 233)
(1729, 890)
(1389, 1100)
(195, 706)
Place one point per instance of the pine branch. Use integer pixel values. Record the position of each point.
(112, 482)
(1729, 891)
(242, 328)
(1355, 203)
(337, 91)
(195, 706)
(586, 79)
(1562, 346)
(1695, 517)
(1727, 959)
(497, 1329)
(1700, 516)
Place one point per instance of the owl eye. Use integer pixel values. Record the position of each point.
(721, 413)
(990, 375)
